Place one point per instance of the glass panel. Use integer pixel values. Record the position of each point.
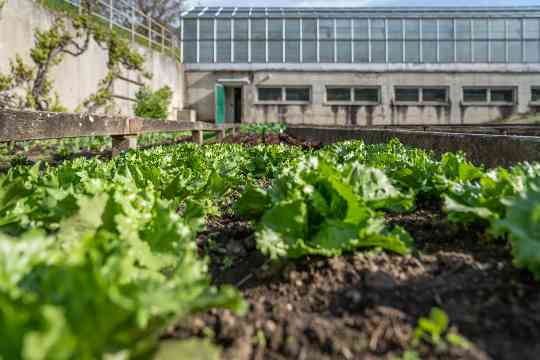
(326, 29)
(292, 51)
(532, 51)
(532, 28)
(498, 51)
(480, 29)
(481, 53)
(378, 51)
(240, 51)
(463, 29)
(241, 29)
(498, 29)
(224, 51)
(475, 95)
(310, 51)
(326, 51)
(361, 51)
(395, 51)
(206, 29)
(190, 51)
(275, 29)
(446, 29)
(309, 29)
(344, 51)
(207, 51)
(438, 95)
(258, 51)
(412, 51)
(514, 29)
(429, 51)
(297, 94)
(366, 95)
(429, 29)
(446, 51)
(292, 29)
(258, 29)
(395, 30)
(464, 54)
(269, 94)
(515, 52)
(378, 29)
(407, 94)
(275, 51)
(343, 29)
(361, 29)
(223, 29)
(338, 94)
(190, 30)
(535, 94)
(412, 29)
(502, 95)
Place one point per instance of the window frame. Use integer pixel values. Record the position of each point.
(352, 89)
(531, 101)
(421, 101)
(283, 100)
(489, 102)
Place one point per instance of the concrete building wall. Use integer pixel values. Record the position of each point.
(77, 78)
(200, 96)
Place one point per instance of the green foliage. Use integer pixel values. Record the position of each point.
(153, 104)
(262, 128)
(434, 330)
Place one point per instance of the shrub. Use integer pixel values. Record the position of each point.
(154, 105)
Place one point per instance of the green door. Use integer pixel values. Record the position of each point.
(220, 103)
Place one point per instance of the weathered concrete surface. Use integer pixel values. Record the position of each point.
(491, 150)
(33, 125)
(200, 94)
(77, 78)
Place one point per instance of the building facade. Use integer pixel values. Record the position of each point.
(361, 66)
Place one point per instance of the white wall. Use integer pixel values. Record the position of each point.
(77, 78)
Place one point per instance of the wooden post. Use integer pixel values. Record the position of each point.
(221, 135)
(197, 136)
(233, 131)
(122, 143)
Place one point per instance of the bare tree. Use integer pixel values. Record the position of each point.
(167, 12)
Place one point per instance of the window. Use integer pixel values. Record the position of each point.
(292, 44)
(309, 36)
(275, 41)
(298, 94)
(284, 94)
(258, 41)
(489, 95)
(223, 41)
(535, 94)
(422, 95)
(408, 95)
(241, 29)
(338, 94)
(364, 95)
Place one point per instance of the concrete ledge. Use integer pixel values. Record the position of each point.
(491, 150)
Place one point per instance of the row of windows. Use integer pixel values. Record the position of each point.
(361, 40)
(405, 95)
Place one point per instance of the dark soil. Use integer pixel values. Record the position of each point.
(270, 138)
(366, 305)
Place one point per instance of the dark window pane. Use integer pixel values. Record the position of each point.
(407, 95)
(361, 29)
(258, 29)
(240, 51)
(223, 29)
(395, 29)
(498, 51)
(502, 95)
(343, 29)
(190, 29)
(309, 49)
(309, 29)
(292, 51)
(327, 51)
(190, 51)
(463, 29)
(475, 95)
(361, 51)
(446, 29)
(338, 94)
(275, 29)
(412, 29)
(223, 51)
(412, 51)
(241, 29)
(258, 51)
(498, 29)
(275, 51)
(515, 52)
(446, 51)
(464, 54)
(207, 51)
(292, 29)
(514, 29)
(429, 51)
(535, 94)
(206, 30)
(344, 51)
(269, 94)
(366, 95)
(481, 53)
(378, 51)
(326, 29)
(395, 51)
(532, 28)
(480, 29)
(297, 94)
(532, 51)
(438, 95)
(429, 29)
(378, 29)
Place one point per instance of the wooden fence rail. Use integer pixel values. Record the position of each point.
(32, 125)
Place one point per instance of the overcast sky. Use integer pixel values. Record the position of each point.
(364, 2)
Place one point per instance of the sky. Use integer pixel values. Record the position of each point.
(364, 2)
